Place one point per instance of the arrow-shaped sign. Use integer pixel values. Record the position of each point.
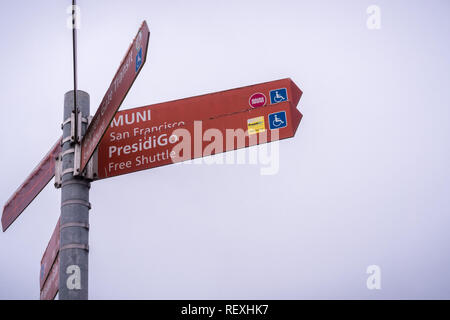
(123, 80)
(149, 136)
(49, 274)
(33, 185)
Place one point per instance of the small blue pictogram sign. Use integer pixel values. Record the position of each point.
(42, 271)
(278, 95)
(277, 120)
(138, 59)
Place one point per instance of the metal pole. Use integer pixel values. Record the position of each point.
(75, 206)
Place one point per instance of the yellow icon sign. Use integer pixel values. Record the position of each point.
(256, 125)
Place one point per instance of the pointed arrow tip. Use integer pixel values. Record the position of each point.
(296, 92)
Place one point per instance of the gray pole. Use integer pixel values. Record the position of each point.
(75, 206)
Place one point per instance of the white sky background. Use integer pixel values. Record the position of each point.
(364, 181)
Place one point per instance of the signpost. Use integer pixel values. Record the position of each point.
(123, 80)
(134, 140)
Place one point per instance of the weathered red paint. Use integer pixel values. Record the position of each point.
(51, 285)
(117, 91)
(49, 257)
(223, 110)
(32, 186)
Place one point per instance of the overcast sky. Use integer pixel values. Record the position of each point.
(365, 181)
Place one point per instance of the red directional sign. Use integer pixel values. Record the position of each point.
(32, 186)
(49, 256)
(49, 275)
(51, 285)
(148, 137)
(117, 91)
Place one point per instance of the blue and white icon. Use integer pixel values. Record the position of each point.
(42, 271)
(278, 95)
(139, 59)
(277, 120)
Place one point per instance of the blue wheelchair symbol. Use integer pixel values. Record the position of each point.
(139, 59)
(42, 271)
(277, 120)
(278, 95)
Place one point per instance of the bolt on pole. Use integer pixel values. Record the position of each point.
(75, 206)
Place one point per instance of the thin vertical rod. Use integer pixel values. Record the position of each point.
(75, 76)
